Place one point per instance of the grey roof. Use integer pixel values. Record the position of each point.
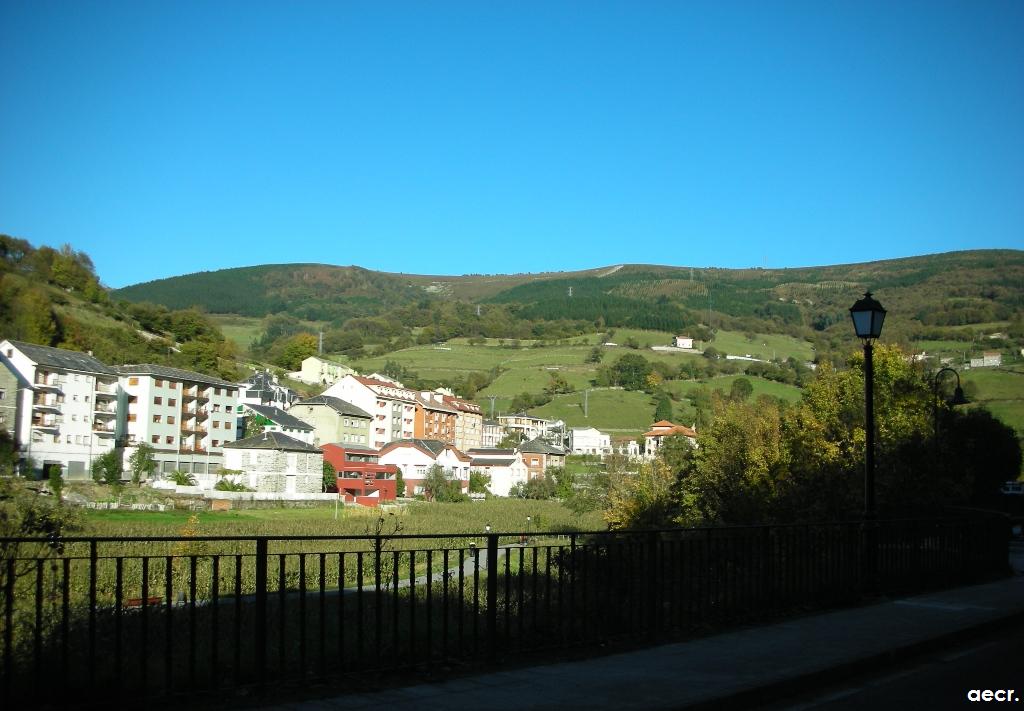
(166, 371)
(272, 440)
(491, 462)
(434, 446)
(279, 416)
(492, 423)
(490, 452)
(340, 406)
(60, 358)
(539, 446)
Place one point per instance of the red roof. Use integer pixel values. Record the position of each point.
(665, 428)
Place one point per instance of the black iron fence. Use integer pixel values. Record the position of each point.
(118, 619)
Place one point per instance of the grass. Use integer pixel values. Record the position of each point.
(1001, 390)
(766, 346)
(617, 412)
(789, 393)
(243, 330)
(504, 515)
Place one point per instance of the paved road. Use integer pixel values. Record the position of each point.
(939, 681)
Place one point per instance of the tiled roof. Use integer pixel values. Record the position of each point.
(272, 440)
(490, 452)
(60, 358)
(432, 447)
(280, 417)
(165, 371)
(665, 428)
(539, 446)
(342, 407)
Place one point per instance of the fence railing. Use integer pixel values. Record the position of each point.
(129, 618)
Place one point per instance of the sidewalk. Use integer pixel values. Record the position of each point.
(733, 669)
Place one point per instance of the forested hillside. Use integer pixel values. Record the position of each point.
(54, 298)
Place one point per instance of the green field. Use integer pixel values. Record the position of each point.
(618, 412)
(1001, 390)
(504, 515)
(789, 393)
(767, 346)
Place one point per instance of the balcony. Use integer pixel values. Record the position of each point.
(106, 390)
(105, 410)
(47, 403)
(48, 423)
(192, 450)
(103, 430)
(48, 381)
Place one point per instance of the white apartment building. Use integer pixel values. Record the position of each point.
(529, 426)
(589, 440)
(68, 411)
(391, 405)
(319, 371)
(186, 417)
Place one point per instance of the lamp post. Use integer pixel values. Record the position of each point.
(958, 399)
(529, 519)
(868, 315)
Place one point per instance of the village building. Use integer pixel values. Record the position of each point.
(273, 462)
(415, 457)
(334, 420)
(262, 388)
(391, 406)
(361, 477)
(589, 440)
(539, 456)
(265, 418)
(64, 405)
(654, 437)
(505, 467)
(320, 371)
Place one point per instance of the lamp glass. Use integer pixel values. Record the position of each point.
(868, 317)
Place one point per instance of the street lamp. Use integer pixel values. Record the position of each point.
(868, 315)
(958, 398)
(529, 519)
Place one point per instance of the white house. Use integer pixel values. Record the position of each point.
(589, 440)
(654, 438)
(682, 342)
(529, 426)
(186, 417)
(262, 388)
(273, 462)
(318, 371)
(273, 419)
(415, 457)
(391, 405)
(989, 359)
(505, 467)
(68, 409)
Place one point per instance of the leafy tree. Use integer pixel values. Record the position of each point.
(563, 480)
(107, 468)
(478, 482)
(663, 409)
(631, 371)
(438, 486)
(290, 352)
(399, 484)
(741, 389)
(183, 478)
(596, 355)
(557, 384)
(141, 463)
(330, 477)
(56, 482)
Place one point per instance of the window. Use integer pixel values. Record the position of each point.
(133, 381)
(216, 408)
(169, 439)
(131, 438)
(171, 402)
(86, 398)
(156, 439)
(216, 443)
(68, 439)
(74, 398)
(170, 419)
(216, 391)
(3, 394)
(158, 400)
(3, 419)
(74, 418)
(158, 382)
(172, 385)
(216, 425)
(78, 439)
(227, 425)
(131, 417)
(157, 418)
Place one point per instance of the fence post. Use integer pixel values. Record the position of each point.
(653, 611)
(492, 596)
(260, 627)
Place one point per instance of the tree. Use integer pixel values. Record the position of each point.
(330, 477)
(438, 486)
(663, 409)
(557, 384)
(141, 464)
(399, 484)
(563, 482)
(478, 482)
(596, 355)
(631, 371)
(290, 352)
(107, 468)
(741, 389)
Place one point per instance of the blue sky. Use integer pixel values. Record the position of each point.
(441, 137)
